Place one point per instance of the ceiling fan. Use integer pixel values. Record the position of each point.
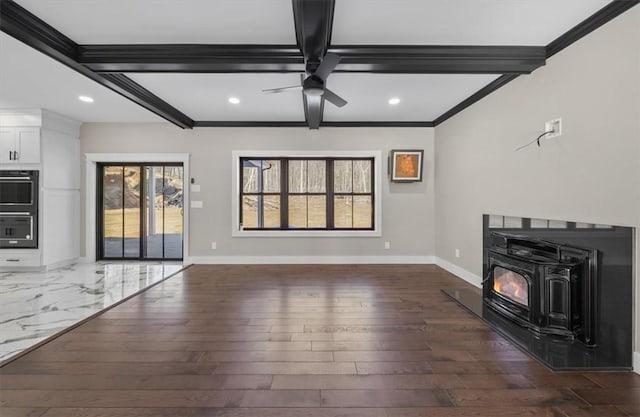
(314, 84)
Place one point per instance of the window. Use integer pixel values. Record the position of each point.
(306, 193)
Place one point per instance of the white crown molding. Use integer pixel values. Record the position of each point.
(20, 117)
(470, 277)
(251, 260)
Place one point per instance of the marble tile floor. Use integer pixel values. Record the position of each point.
(37, 305)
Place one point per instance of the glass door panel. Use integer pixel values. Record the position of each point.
(132, 211)
(173, 211)
(112, 212)
(141, 212)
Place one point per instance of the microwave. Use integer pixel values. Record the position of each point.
(19, 191)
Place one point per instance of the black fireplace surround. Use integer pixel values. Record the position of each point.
(564, 293)
(547, 287)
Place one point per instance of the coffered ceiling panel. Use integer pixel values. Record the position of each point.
(29, 79)
(457, 22)
(227, 50)
(422, 97)
(206, 96)
(168, 21)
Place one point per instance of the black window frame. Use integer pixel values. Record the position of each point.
(329, 193)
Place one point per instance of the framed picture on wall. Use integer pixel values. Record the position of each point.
(406, 165)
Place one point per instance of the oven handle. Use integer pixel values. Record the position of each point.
(16, 178)
(15, 213)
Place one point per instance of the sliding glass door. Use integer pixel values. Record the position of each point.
(140, 211)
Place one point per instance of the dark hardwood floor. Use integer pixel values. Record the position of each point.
(283, 341)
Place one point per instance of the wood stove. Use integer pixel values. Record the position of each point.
(545, 286)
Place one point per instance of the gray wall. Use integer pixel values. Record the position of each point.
(590, 174)
(407, 209)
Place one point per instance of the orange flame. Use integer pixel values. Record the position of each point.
(511, 284)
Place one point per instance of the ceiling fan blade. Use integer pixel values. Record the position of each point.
(283, 89)
(333, 98)
(327, 66)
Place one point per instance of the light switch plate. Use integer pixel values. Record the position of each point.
(195, 188)
(197, 204)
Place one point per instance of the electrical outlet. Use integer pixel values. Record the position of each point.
(387, 245)
(214, 245)
(554, 126)
(457, 253)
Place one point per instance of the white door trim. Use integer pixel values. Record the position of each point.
(92, 159)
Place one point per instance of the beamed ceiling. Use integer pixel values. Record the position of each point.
(181, 60)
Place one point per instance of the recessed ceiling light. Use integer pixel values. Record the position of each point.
(394, 100)
(85, 99)
(234, 100)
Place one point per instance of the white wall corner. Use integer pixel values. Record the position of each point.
(62, 264)
(636, 362)
(288, 260)
(61, 124)
(470, 277)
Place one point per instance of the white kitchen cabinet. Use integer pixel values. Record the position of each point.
(49, 143)
(14, 259)
(19, 145)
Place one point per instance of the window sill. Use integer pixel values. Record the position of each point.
(306, 233)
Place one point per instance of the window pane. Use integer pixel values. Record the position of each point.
(362, 211)
(342, 211)
(342, 176)
(297, 211)
(317, 176)
(271, 176)
(250, 170)
(317, 211)
(297, 176)
(361, 176)
(271, 206)
(250, 211)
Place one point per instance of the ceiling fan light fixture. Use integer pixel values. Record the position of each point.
(234, 100)
(314, 91)
(394, 101)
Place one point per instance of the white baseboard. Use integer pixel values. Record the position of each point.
(636, 362)
(310, 260)
(470, 277)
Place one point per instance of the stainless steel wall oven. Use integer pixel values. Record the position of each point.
(18, 209)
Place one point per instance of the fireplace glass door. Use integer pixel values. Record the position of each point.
(511, 285)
